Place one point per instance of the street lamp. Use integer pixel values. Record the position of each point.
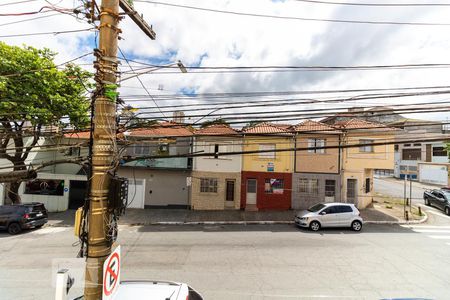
(179, 64)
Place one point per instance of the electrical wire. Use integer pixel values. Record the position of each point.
(374, 4)
(19, 2)
(45, 33)
(236, 13)
(142, 84)
(30, 19)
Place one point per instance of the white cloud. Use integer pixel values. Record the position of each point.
(231, 40)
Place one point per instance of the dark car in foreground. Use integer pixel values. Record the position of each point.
(15, 218)
(438, 198)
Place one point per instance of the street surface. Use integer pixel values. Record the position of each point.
(395, 188)
(250, 262)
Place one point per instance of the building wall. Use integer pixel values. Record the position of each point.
(327, 162)
(215, 201)
(53, 203)
(409, 165)
(363, 199)
(265, 201)
(231, 163)
(281, 162)
(162, 187)
(382, 156)
(434, 173)
(302, 200)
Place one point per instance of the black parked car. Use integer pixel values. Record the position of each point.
(438, 198)
(14, 218)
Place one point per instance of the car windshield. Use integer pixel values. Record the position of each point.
(316, 207)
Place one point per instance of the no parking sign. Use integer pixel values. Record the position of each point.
(111, 274)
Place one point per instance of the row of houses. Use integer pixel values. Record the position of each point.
(267, 166)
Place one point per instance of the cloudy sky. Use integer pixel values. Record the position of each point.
(204, 37)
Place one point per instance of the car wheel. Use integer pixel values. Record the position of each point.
(314, 225)
(447, 211)
(39, 226)
(14, 228)
(356, 225)
(427, 202)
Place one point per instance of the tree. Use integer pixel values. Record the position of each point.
(213, 122)
(35, 94)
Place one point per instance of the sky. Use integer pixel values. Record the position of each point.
(201, 38)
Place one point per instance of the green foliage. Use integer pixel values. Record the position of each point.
(213, 122)
(447, 148)
(33, 89)
(251, 124)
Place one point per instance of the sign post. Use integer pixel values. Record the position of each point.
(111, 274)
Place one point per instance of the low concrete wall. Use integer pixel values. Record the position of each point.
(52, 203)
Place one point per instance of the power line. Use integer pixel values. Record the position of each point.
(45, 33)
(142, 84)
(374, 4)
(43, 10)
(286, 93)
(290, 149)
(19, 2)
(298, 68)
(293, 18)
(31, 19)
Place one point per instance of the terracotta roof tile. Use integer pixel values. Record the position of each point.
(216, 129)
(266, 128)
(360, 124)
(162, 129)
(309, 126)
(77, 135)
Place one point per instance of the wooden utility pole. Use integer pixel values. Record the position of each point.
(104, 149)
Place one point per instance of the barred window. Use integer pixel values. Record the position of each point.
(330, 188)
(308, 186)
(208, 185)
(439, 151)
(141, 149)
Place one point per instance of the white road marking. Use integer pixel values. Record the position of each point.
(440, 237)
(425, 227)
(431, 231)
(438, 214)
(447, 244)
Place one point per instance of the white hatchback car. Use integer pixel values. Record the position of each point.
(330, 215)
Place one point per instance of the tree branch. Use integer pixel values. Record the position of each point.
(37, 133)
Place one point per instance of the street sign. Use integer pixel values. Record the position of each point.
(111, 274)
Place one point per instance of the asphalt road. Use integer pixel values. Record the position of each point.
(395, 188)
(248, 262)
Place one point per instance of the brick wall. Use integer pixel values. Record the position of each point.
(215, 201)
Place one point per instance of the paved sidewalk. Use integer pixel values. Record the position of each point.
(184, 216)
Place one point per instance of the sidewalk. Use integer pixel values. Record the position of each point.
(134, 217)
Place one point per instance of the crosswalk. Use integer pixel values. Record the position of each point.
(433, 232)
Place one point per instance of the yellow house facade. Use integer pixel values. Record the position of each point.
(359, 163)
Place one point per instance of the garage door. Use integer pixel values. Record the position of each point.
(136, 193)
(433, 174)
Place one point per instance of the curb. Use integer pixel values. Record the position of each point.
(400, 222)
(213, 223)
